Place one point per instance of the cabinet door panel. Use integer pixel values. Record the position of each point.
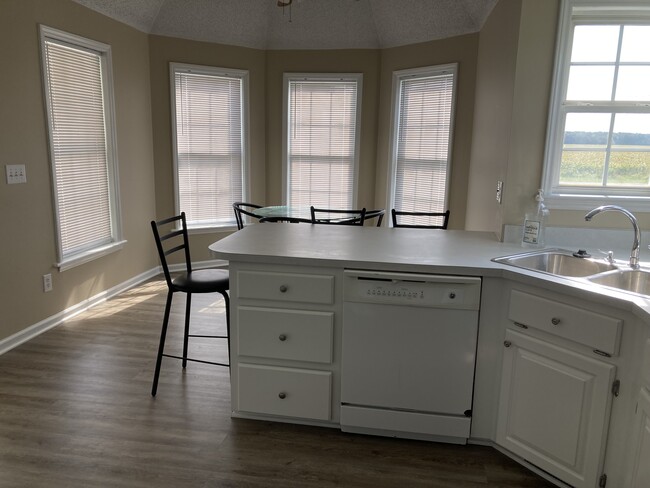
(641, 470)
(554, 408)
(558, 435)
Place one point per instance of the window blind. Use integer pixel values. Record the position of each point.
(422, 140)
(322, 134)
(209, 146)
(79, 147)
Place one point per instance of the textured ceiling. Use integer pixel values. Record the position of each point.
(315, 24)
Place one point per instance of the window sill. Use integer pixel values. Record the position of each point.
(88, 256)
(212, 229)
(587, 202)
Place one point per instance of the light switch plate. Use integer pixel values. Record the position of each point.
(499, 191)
(16, 174)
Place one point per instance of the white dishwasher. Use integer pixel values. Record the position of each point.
(409, 350)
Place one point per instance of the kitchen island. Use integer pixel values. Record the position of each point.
(560, 398)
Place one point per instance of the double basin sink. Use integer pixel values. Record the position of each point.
(560, 262)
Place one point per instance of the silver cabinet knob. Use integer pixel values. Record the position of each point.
(555, 321)
(507, 343)
(282, 337)
(282, 395)
(283, 288)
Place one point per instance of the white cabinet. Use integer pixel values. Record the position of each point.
(641, 452)
(297, 335)
(555, 399)
(283, 361)
(289, 392)
(640, 473)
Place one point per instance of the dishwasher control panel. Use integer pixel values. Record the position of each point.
(445, 291)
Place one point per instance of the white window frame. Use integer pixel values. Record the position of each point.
(242, 75)
(398, 77)
(66, 260)
(287, 78)
(586, 12)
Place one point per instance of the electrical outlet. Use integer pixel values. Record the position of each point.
(16, 173)
(499, 191)
(47, 282)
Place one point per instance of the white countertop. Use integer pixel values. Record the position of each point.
(365, 247)
(407, 250)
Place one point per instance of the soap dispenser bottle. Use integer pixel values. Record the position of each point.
(535, 222)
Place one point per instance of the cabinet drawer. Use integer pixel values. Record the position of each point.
(284, 391)
(594, 330)
(288, 287)
(298, 335)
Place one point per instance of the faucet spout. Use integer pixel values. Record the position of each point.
(636, 244)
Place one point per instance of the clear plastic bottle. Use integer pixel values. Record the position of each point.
(535, 223)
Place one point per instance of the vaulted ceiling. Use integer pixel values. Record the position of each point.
(305, 24)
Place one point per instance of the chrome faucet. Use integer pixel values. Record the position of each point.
(634, 256)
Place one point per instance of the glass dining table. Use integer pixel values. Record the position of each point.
(298, 213)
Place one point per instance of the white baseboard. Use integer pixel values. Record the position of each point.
(44, 325)
(32, 331)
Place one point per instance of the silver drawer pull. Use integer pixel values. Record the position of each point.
(507, 343)
(282, 337)
(555, 321)
(282, 395)
(283, 288)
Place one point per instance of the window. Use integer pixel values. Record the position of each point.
(210, 142)
(322, 139)
(79, 100)
(598, 145)
(423, 109)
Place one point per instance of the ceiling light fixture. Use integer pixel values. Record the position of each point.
(285, 3)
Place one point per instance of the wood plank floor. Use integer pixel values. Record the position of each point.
(76, 411)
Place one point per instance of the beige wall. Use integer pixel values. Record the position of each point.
(361, 61)
(492, 115)
(462, 50)
(500, 126)
(515, 70)
(530, 102)
(164, 50)
(515, 67)
(28, 248)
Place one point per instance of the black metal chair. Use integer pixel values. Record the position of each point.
(337, 216)
(379, 214)
(243, 208)
(171, 237)
(442, 217)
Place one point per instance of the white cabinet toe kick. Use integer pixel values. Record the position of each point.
(403, 424)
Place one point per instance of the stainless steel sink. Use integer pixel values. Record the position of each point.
(632, 280)
(558, 262)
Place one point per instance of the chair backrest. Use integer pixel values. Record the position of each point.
(337, 217)
(442, 217)
(171, 237)
(243, 208)
(371, 214)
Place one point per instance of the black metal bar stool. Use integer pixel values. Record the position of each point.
(170, 241)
